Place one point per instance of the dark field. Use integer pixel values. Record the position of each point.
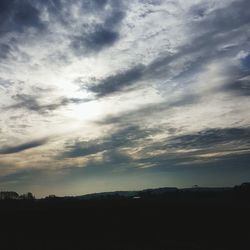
(179, 221)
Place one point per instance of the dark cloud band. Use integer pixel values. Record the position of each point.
(31, 102)
(23, 147)
(117, 82)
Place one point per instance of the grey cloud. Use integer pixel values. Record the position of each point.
(239, 86)
(197, 54)
(98, 38)
(113, 148)
(18, 15)
(60, 10)
(22, 179)
(137, 115)
(6, 83)
(213, 34)
(171, 159)
(53, 6)
(117, 82)
(212, 138)
(5, 50)
(229, 18)
(30, 102)
(9, 49)
(238, 78)
(115, 156)
(211, 42)
(114, 163)
(18, 176)
(246, 63)
(95, 5)
(124, 137)
(235, 142)
(113, 159)
(115, 18)
(23, 147)
(188, 164)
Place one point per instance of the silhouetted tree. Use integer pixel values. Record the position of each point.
(51, 197)
(27, 196)
(7, 195)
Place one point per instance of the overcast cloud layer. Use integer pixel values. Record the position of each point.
(106, 95)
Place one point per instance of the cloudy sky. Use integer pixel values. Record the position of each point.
(99, 95)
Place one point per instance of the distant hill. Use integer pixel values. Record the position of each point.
(161, 192)
(164, 192)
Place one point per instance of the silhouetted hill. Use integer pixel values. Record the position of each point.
(164, 192)
(161, 219)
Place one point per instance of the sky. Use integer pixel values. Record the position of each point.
(101, 95)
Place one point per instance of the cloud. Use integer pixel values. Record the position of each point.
(177, 72)
(212, 138)
(147, 111)
(30, 102)
(23, 147)
(213, 39)
(16, 16)
(117, 82)
(20, 19)
(218, 20)
(95, 36)
(239, 86)
(21, 177)
(221, 149)
(123, 137)
(239, 82)
(97, 39)
(5, 50)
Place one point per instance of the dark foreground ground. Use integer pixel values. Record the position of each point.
(194, 221)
